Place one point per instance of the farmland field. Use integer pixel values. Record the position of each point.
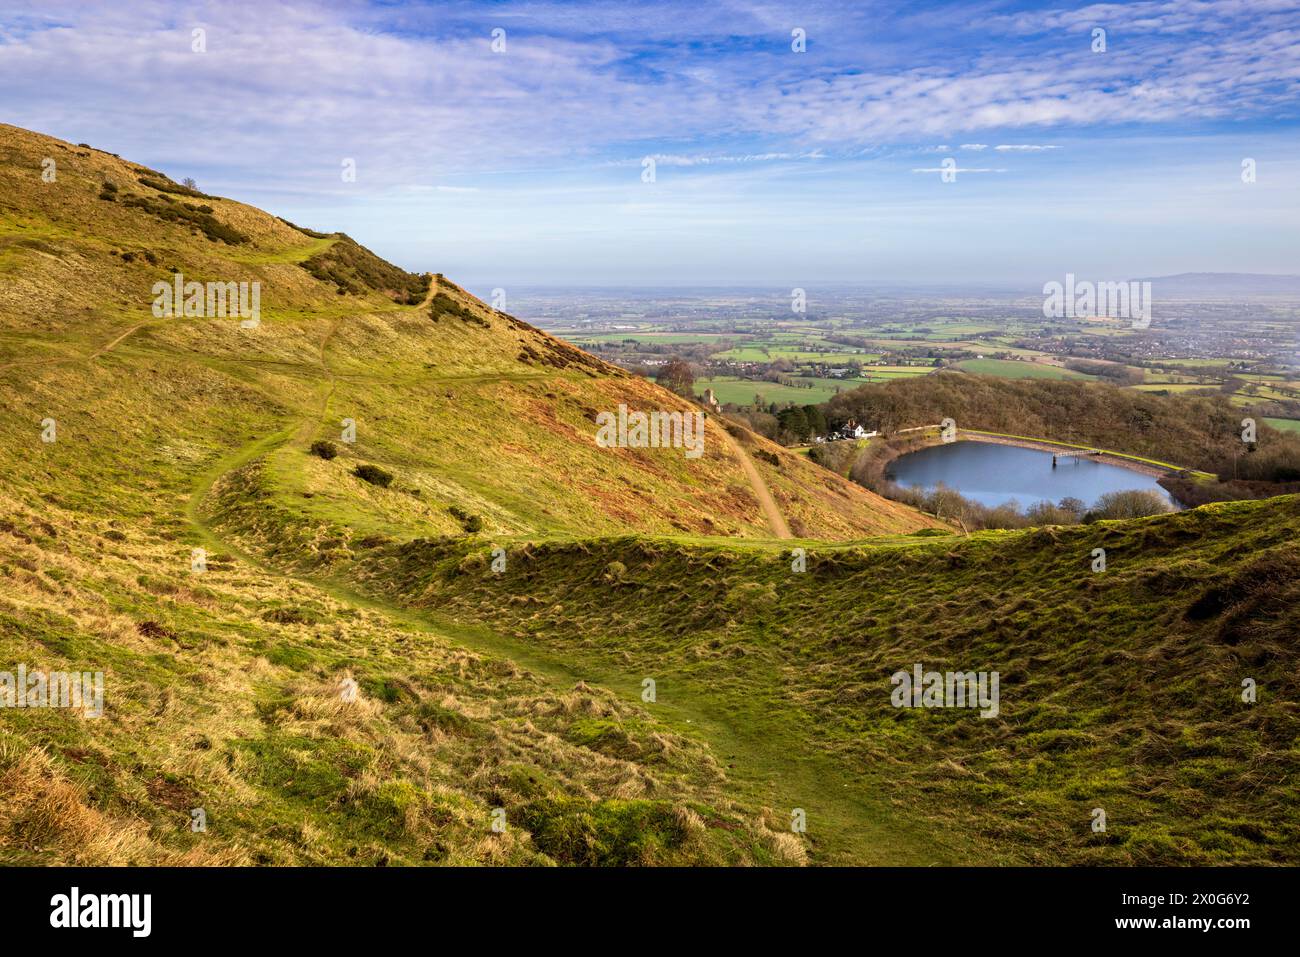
(664, 338)
(1011, 369)
(764, 353)
(1171, 386)
(884, 373)
(742, 391)
(735, 348)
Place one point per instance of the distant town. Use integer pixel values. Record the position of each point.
(751, 348)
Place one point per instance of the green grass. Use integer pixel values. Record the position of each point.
(1214, 364)
(1285, 425)
(742, 391)
(222, 685)
(888, 373)
(292, 254)
(1010, 369)
(1071, 735)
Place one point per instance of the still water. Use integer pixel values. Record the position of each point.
(995, 474)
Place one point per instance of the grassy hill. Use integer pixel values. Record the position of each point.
(468, 407)
(339, 675)
(1120, 689)
(222, 686)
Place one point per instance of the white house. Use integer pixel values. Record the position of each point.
(852, 430)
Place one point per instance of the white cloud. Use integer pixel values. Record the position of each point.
(416, 95)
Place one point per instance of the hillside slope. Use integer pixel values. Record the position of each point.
(334, 669)
(473, 411)
(1122, 690)
(120, 433)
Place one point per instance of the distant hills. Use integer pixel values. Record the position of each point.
(1223, 285)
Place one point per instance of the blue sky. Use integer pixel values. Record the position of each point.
(772, 166)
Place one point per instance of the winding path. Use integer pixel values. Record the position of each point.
(775, 520)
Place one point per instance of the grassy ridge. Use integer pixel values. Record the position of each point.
(222, 692)
(1120, 690)
(476, 410)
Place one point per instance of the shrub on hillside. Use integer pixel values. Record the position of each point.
(1066, 512)
(676, 375)
(763, 423)
(444, 305)
(1276, 461)
(314, 234)
(612, 833)
(354, 269)
(1190, 492)
(470, 522)
(291, 615)
(374, 475)
(164, 185)
(1134, 503)
(187, 214)
(324, 448)
(836, 456)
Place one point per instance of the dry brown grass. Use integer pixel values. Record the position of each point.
(49, 818)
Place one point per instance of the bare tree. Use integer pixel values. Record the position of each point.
(677, 376)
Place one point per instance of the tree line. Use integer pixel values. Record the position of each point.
(1203, 432)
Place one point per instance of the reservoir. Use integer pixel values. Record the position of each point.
(995, 474)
